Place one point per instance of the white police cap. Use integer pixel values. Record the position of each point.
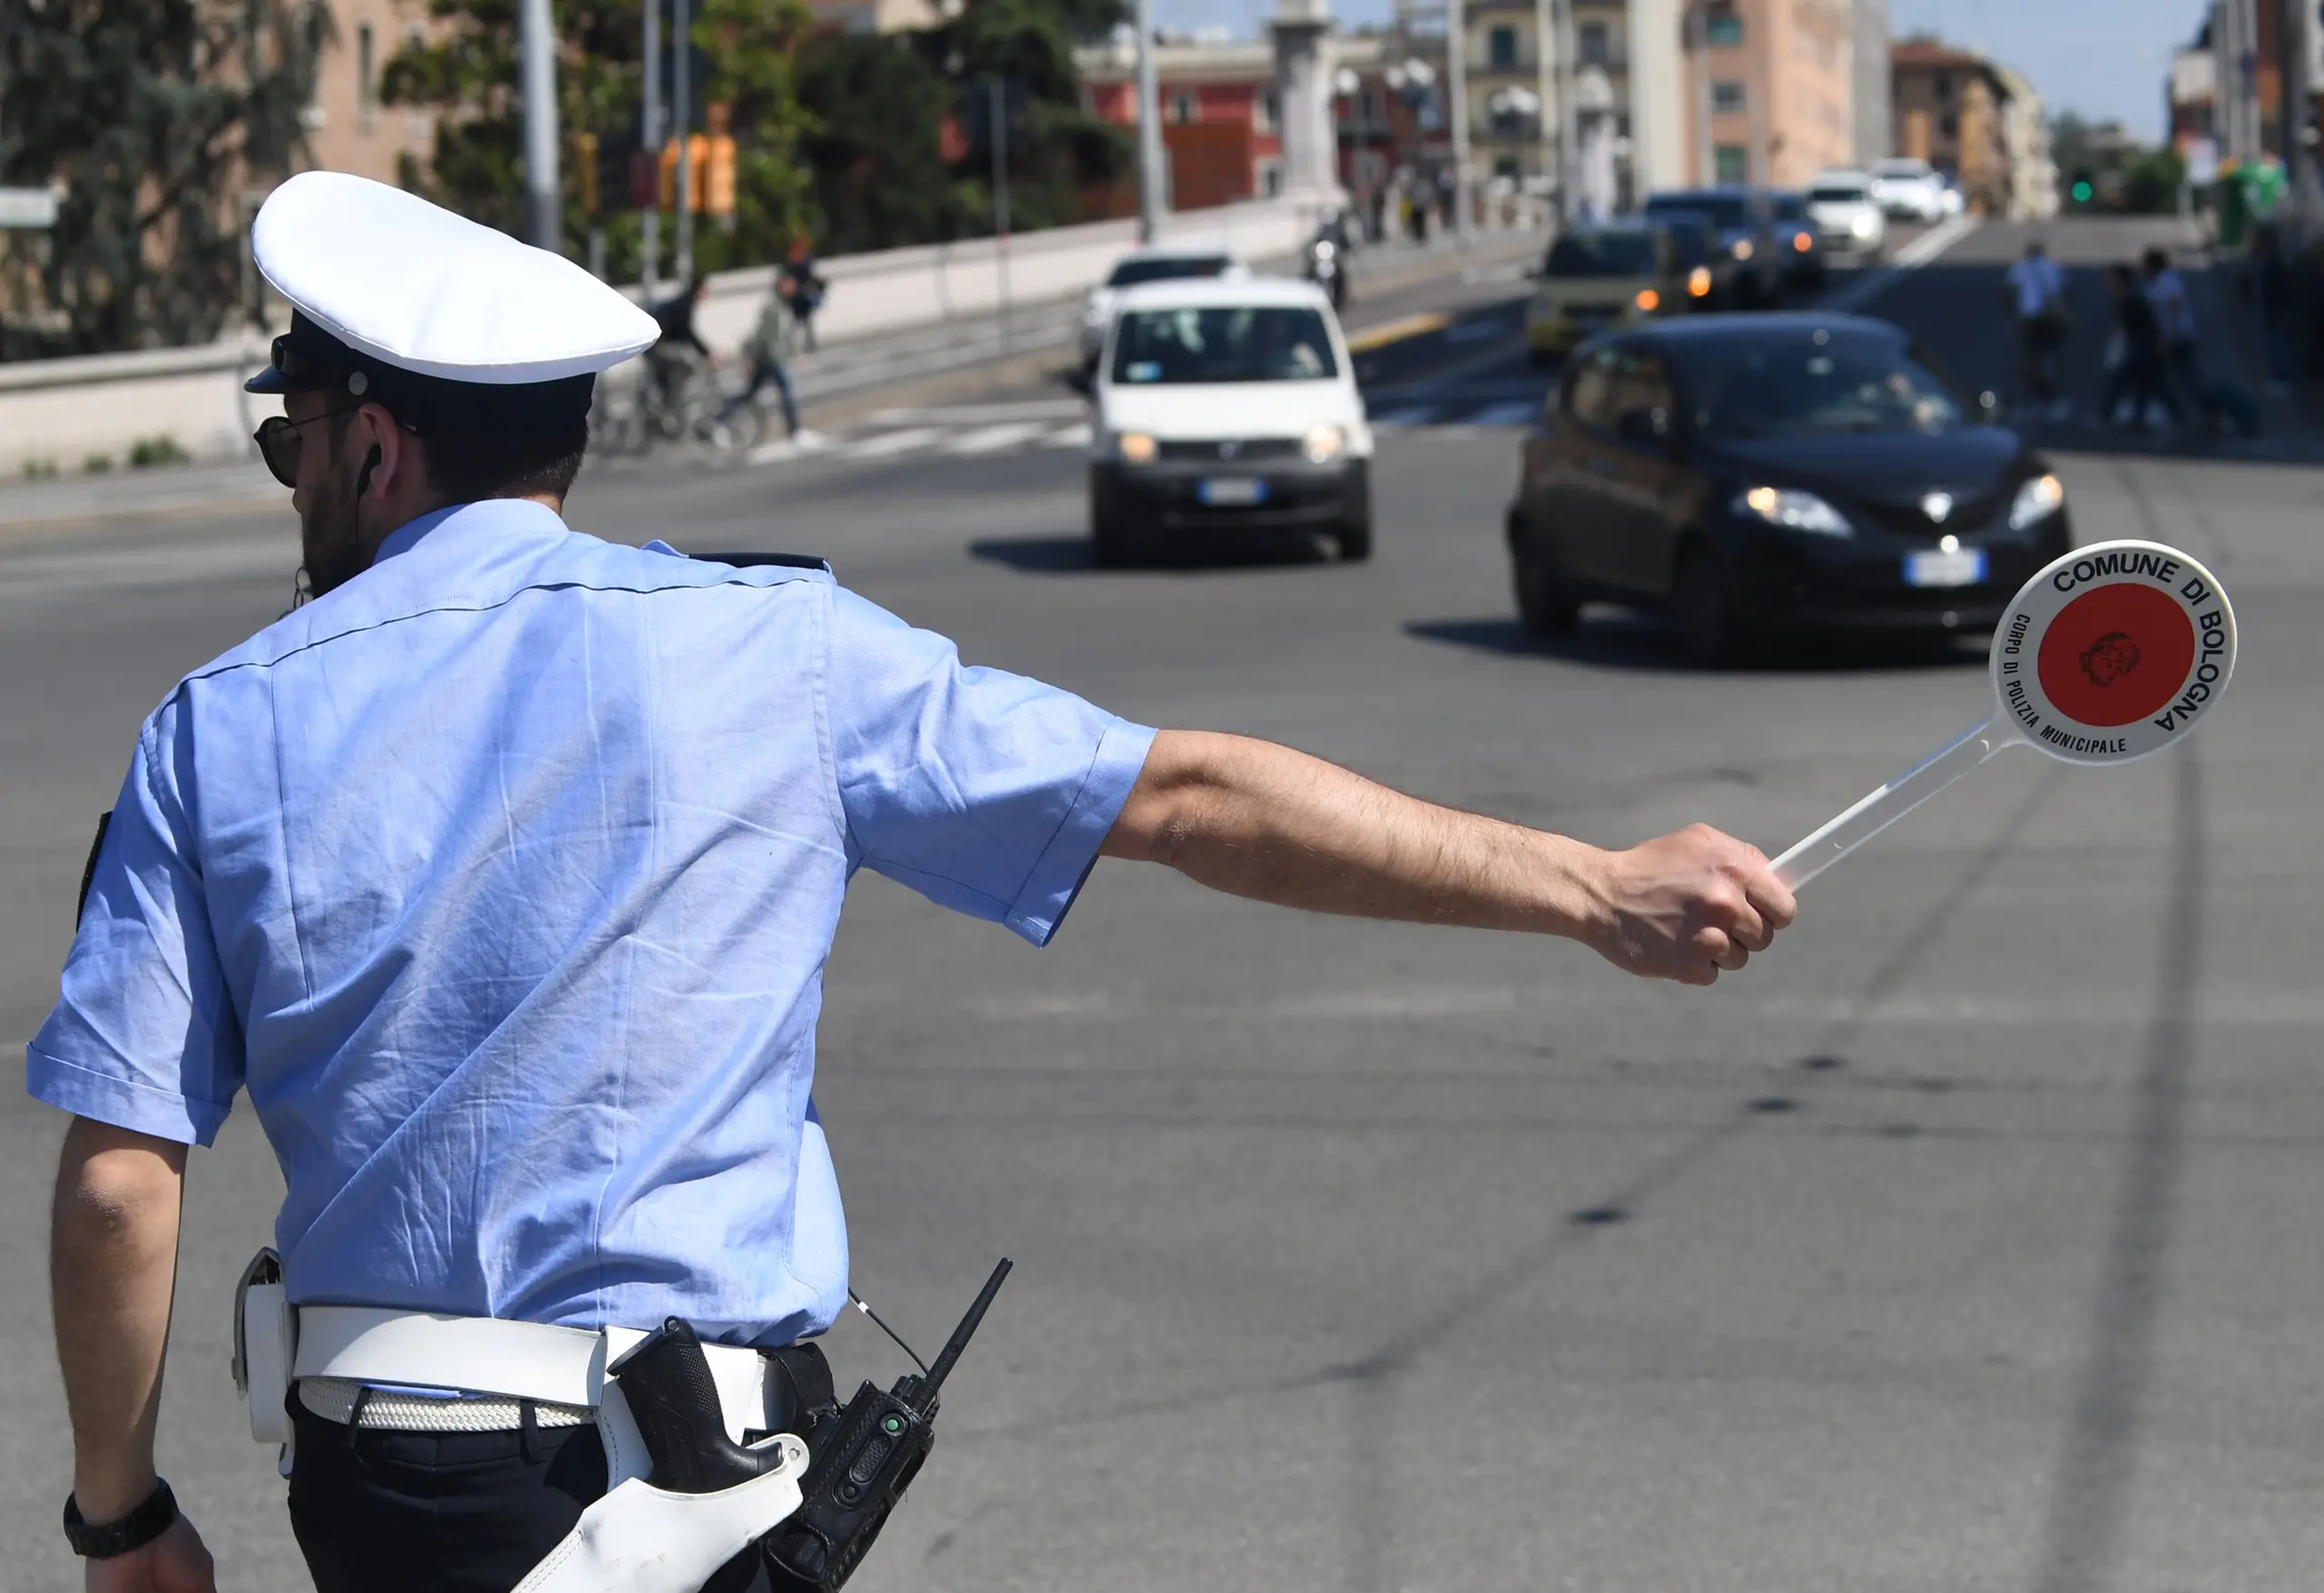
(409, 285)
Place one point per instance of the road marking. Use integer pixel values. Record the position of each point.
(1512, 413)
(1910, 257)
(887, 443)
(1068, 437)
(1028, 409)
(1398, 330)
(992, 439)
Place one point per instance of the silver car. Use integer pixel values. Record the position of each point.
(1846, 216)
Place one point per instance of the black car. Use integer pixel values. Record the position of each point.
(1747, 251)
(1754, 476)
(1797, 241)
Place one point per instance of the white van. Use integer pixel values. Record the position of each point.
(1225, 406)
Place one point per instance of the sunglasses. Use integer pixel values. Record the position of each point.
(279, 437)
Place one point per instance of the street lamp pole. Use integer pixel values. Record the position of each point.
(1456, 73)
(649, 221)
(1151, 202)
(682, 113)
(1568, 116)
(539, 50)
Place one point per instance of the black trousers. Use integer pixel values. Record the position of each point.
(443, 1512)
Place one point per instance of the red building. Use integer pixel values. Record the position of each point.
(1221, 115)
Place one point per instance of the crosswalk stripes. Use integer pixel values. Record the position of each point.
(970, 432)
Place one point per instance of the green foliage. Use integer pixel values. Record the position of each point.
(40, 469)
(155, 115)
(96, 465)
(149, 451)
(2150, 182)
(467, 72)
(878, 169)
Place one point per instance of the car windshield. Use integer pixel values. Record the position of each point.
(1811, 381)
(1166, 268)
(1222, 343)
(1902, 169)
(1787, 207)
(1601, 254)
(1837, 193)
(1725, 210)
(1691, 240)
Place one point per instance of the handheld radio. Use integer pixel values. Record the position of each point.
(874, 1448)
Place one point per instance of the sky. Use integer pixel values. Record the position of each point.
(2105, 59)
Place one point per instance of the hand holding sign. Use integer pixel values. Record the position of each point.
(2109, 654)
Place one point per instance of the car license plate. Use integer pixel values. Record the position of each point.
(1232, 492)
(1963, 567)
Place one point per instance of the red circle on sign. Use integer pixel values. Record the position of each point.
(2116, 655)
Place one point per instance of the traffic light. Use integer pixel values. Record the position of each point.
(2083, 189)
(584, 165)
(718, 167)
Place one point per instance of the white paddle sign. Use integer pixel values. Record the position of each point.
(2112, 654)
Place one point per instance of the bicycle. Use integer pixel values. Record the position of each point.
(647, 412)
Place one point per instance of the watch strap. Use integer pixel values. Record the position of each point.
(134, 1530)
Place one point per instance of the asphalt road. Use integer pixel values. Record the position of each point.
(1967, 1241)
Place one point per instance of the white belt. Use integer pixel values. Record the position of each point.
(515, 1360)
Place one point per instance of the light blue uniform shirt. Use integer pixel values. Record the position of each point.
(502, 877)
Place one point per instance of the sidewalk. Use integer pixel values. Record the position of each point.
(836, 383)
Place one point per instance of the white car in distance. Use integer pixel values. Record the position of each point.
(1846, 216)
(1167, 262)
(1224, 409)
(1909, 190)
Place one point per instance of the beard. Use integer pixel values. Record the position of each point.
(331, 545)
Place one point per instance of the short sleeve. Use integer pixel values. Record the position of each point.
(985, 791)
(143, 1034)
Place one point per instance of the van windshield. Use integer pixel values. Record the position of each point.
(1600, 254)
(1222, 343)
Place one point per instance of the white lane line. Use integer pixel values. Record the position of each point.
(1068, 437)
(1910, 257)
(1514, 412)
(887, 443)
(969, 414)
(1407, 415)
(992, 439)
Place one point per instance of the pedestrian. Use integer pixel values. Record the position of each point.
(769, 349)
(503, 874)
(2174, 316)
(2034, 289)
(678, 353)
(803, 286)
(2137, 376)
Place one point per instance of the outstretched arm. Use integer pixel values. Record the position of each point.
(1252, 819)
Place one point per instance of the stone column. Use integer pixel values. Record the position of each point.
(1302, 80)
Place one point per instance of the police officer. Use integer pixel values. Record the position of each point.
(501, 876)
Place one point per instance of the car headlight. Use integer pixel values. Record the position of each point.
(1134, 448)
(1863, 225)
(1742, 249)
(1648, 300)
(1699, 282)
(2036, 501)
(1795, 511)
(1323, 444)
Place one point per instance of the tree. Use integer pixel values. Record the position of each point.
(877, 148)
(1057, 150)
(156, 117)
(746, 52)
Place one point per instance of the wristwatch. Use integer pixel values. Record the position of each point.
(139, 1527)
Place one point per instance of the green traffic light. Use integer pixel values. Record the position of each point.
(2081, 194)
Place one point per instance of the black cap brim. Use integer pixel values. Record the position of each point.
(269, 380)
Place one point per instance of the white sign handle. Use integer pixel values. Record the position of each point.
(1891, 803)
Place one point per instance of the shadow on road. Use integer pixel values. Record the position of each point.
(1054, 555)
(1630, 642)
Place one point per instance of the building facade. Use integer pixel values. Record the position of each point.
(1978, 121)
(348, 129)
(1870, 83)
(1773, 90)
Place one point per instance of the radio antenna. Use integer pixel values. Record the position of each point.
(862, 1306)
(960, 1339)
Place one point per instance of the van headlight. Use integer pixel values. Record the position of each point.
(2036, 501)
(1135, 447)
(1795, 511)
(1323, 444)
(1742, 249)
(1864, 224)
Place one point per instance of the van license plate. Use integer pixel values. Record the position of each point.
(1232, 492)
(1964, 567)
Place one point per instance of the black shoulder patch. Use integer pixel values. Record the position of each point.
(743, 561)
(89, 868)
